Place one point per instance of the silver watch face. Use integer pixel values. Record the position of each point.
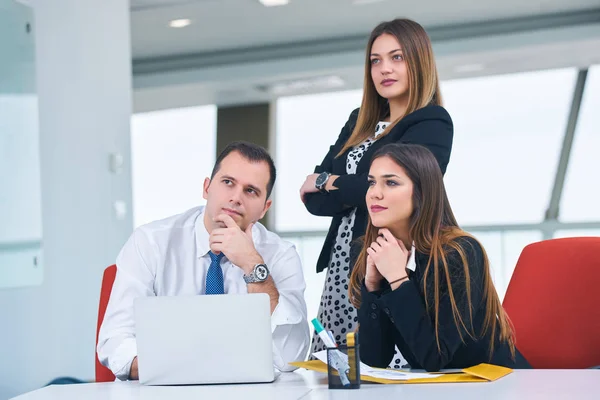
(261, 272)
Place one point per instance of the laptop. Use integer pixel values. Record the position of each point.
(183, 340)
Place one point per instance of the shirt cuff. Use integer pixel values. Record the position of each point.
(290, 335)
(284, 314)
(406, 292)
(371, 296)
(122, 358)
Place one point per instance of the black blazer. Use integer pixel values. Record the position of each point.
(429, 126)
(399, 317)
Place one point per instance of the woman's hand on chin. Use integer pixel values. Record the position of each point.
(389, 255)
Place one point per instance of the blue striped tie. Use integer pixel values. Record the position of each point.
(214, 276)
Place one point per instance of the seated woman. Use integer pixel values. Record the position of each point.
(420, 282)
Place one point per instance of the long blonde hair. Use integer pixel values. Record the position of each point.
(435, 231)
(423, 82)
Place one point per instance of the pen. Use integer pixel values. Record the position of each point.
(331, 336)
(338, 362)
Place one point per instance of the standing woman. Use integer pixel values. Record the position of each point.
(401, 104)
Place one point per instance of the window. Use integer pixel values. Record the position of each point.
(508, 132)
(172, 152)
(581, 196)
(306, 127)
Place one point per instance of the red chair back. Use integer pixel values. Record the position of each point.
(552, 300)
(104, 374)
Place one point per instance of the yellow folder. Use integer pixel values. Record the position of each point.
(477, 373)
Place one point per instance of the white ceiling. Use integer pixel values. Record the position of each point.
(234, 48)
(220, 25)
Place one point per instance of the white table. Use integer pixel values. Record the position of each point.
(521, 384)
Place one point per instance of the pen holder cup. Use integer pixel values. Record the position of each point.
(347, 359)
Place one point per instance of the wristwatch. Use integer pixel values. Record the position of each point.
(259, 274)
(322, 181)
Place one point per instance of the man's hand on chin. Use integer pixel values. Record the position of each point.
(235, 243)
(239, 248)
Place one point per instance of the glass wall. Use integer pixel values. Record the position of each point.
(21, 242)
(508, 132)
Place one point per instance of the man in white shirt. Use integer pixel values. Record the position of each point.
(215, 249)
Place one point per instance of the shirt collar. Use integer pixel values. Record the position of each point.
(202, 243)
(412, 263)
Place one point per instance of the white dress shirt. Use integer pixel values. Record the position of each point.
(412, 263)
(170, 257)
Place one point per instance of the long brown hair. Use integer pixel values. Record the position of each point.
(435, 231)
(423, 82)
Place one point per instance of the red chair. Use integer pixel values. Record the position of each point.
(104, 374)
(552, 300)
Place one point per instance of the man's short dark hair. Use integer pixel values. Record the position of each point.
(251, 152)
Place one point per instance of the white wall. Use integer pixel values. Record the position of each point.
(84, 85)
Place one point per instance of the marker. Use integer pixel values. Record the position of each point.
(338, 361)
